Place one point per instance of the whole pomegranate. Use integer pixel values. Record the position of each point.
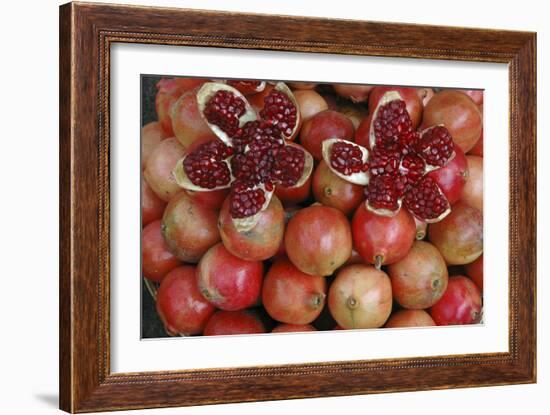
(291, 296)
(411, 97)
(355, 92)
(382, 240)
(474, 270)
(324, 125)
(461, 303)
(229, 282)
(453, 177)
(234, 322)
(458, 113)
(151, 135)
(420, 279)
(293, 328)
(473, 190)
(318, 240)
(409, 318)
(158, 170)
(189, 228)
(360, 297)
(180, 305)
(259, 243)
(213, 199)
(156, 258)
(310, 103)
(152, 207)
(459, 237)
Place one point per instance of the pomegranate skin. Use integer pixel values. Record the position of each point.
(331, 190)
(382, 240)
(151, 135)
(156, 258)
(291, 296)
(459, 237)
(158, 170)
(476, 95)
(310, 103)
(461, 303)
(212, 199)
(259, 243)
(458, 113)
(354, 92)
(228, 282)
(152, 207)
(362, 134)
(225, 323)
(291, 196)
(360, 297)
(410, 318)
(180, 305)
(411, 97)
(474, 270)
(477, 150)
(293, 328)
(324, 125)
(473, 190)
(189, 228)
(453, 177)
(318, 240)
(420, 279)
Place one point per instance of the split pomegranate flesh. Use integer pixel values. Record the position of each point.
(347, 158)
(206, 166)
(393, 127)
(412, 169)
(280, 111)
(384, 192)
(384, 162)
(246, 200)
(426, 201)
(288, 166)
(224, 110)
(436, 146)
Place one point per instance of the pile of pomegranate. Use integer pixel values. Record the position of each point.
(294, 207)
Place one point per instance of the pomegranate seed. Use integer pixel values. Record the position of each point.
(245, 200)
(346, 158)
(425, 200)
(383, 192)
(384, 162)
(280, 111)
(224, 110)
(246, 87)
(436, 146)
(412, 169)
(393, 126)
(289, 166)
(205, 167)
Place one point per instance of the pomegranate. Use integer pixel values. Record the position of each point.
(420, 279)
(247, 87)
(152, 207)
(158, 170)
(301, 189)
(411, 97)
(421, 228)
(426, 201)
(156, 258)
(409, 318)
(257, 100)
(477, 150)
(291, 296)
(310, 103)
(459, 237)
(303, 85)
(234, 322)
(324, 125)
(259, 243)
(180, 305)
(458, 113)
(360, 297)
(189, 228)
(473, 191)
(362, 133)
(425, 95)
(452, 177)
(356, 93)
(461, 303)
(474, 270)
(212, 199)
(476, 95)
(282, 111)
(382, 240)
(293, 328)
(227, 281)
(331, 190)
(318, 240)
(355, 113)
(347, 160)
(151, 135)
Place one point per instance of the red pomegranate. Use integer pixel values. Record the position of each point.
(409, 318)
(151, 135)
(474, 270)
(382, 240)
(156, 258)
(225, 323)
(310, 103)
(459, 237)
(355, 113)
(180, 305)
(452, 177)
(360, 297)
(293, 328)
(259, 243)
(458, 113)
(324, 125)
(229, 282)
(189, 228)
(152, 207)
(362, 134)
(300, 191)
(291, 296)
(356, 93)
(461, 303)
(477, 150)
(420, 279)
(473, 190)
(257, 100)
(411, 97)
(213, 199)
(318, 240)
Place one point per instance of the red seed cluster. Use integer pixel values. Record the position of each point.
(384, 192)
(280, 111)
(425, 200)
(436, 146)
(205, 166)
(256, 131)
(393, 126)
(412, 169)
(347, 158)
(384, 162)
(245, 200)
(246, 87)
(289, 166)
(224, 110)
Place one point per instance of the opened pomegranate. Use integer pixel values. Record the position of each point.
(410, 96)
(409, 318)
(452, 177)
(294, 166)
(158, 170)
(461, 303)
(293, 328)
(156, 258)
(473, 190)
(474, 270)
(152, 207)
(347, 160)
(282, 111)
(151, 135)
(224, 323)
(326, 124)
(426, 201)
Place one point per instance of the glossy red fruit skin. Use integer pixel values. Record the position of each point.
(474, 270)
(180, 305)
(189, 228)
(380, 236)
(259, 243)
(212, 199)
(477, 150)
(318, 240)
(310, 103)
(228, 282)
(354, 92)
(409, 318)
(225, 323)
(151, 135)
(420, 279)
(410, 95)
(452, 177)
(331, 190)
(461, 303)
(156, 258)
(293, 328)
(362, 134)
(291, 196)
(152, 207)
(324, 125)
(459, 237)
(291, 296)
(257, 100)
(360, 297)
(458, 113)
(473, 190)
(158, 170)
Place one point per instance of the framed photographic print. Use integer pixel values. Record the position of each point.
(250, 217)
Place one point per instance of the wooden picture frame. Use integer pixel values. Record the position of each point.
(86, 33)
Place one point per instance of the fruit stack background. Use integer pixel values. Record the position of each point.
(371, 270)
